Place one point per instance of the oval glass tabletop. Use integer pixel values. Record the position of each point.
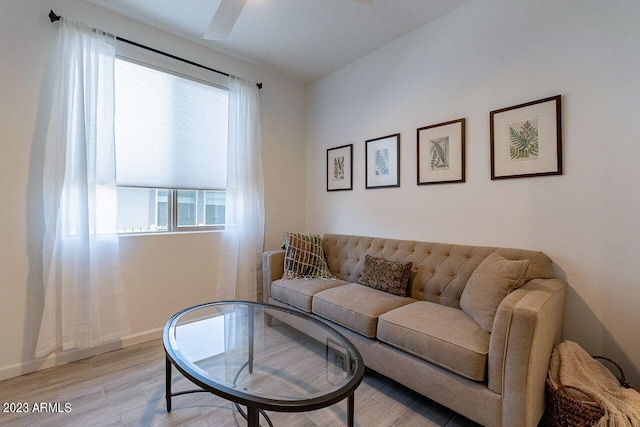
(265, 356)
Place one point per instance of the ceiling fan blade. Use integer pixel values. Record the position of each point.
(224, 19)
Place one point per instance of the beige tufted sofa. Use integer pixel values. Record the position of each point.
(425, 341)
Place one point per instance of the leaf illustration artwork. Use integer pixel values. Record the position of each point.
(439, 151)
(382, 162)
(523, 140)
(338, 168)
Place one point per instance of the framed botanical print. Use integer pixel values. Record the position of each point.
(526, 139)
(382, 162)
(441, 153)
(340, 168)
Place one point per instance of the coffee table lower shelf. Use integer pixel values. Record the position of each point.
(253, 414)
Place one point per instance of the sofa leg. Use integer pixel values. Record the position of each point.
(268, 319)
(371, 372)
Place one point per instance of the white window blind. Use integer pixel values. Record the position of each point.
(171, 131)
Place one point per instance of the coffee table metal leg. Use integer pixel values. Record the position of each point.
(253, 417)
(167, 385)
(251, 320)
(350, 409)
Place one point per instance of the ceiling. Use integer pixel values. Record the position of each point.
(301, 39)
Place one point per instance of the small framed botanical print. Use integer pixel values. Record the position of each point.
(441, 153)
(340, 168)
(382, 162)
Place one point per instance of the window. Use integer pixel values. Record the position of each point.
(171, 143)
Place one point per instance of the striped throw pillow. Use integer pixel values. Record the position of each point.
(304, 257)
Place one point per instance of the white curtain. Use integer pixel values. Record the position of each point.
(243, 238)
(84, 302)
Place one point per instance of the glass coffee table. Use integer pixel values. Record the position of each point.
(263, 357)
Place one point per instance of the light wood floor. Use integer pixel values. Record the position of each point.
(126, 388)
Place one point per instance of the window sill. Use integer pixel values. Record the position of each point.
(166, 233)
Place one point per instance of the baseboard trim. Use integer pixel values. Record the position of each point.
(55, 359)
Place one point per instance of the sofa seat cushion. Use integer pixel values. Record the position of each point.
(299, 292)
(444, 336)
(356, 307)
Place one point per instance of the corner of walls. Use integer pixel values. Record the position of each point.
(484, 56)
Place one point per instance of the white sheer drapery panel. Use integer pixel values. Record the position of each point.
(243, 238)
(84, 304)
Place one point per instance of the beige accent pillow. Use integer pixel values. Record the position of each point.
(489, 284)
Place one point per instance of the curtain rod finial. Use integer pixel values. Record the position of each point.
(53, 17)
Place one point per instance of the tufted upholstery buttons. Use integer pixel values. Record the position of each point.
(442, 270)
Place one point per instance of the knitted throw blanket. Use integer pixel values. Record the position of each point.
(572, 365)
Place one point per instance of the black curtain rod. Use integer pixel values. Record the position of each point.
(53, 17)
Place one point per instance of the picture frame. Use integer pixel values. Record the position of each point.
(526, 139)
(382, 162)
(441, 153)
(340, 168)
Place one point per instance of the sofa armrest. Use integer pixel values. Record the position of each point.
(272, 269)
(527, 326)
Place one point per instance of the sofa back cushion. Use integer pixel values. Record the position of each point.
(441, 270)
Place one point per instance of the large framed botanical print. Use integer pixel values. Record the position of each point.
(526, 139)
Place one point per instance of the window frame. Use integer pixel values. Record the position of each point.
(173, 212)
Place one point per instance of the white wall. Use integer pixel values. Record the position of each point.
(162, 274)
(484, 56)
